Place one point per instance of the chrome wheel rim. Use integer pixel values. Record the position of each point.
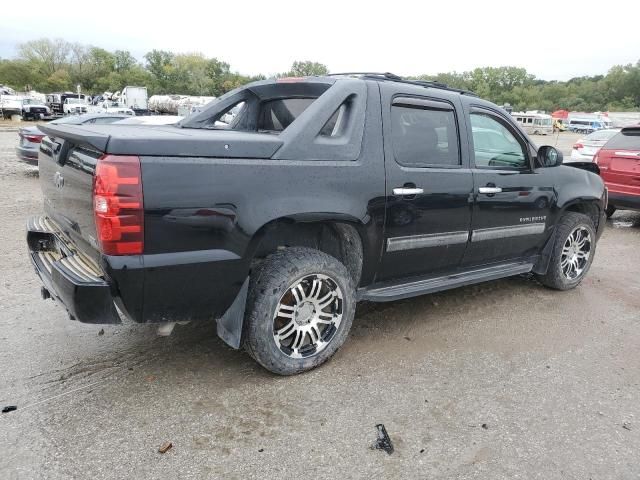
(575, 253)
(308, 316)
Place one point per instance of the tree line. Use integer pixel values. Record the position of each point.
(49, 65)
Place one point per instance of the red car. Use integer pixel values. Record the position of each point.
(619, 163)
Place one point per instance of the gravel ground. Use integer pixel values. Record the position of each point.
(501, 380)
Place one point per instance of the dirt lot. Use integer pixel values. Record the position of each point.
(501, 380)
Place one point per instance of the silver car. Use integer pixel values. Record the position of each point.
(585, 149)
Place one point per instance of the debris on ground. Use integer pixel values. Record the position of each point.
(9, 408)
(261, 450)
(626, 426)
(165, 447)
(485, 426)
(101, 332)
(384, 441)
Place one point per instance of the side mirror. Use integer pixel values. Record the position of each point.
(549, 156)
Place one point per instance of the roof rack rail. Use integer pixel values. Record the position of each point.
(389, 75)
(397, 78)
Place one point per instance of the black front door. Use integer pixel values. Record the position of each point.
(512, 199)
(428, 187)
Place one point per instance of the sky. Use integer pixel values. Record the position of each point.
(554, 40)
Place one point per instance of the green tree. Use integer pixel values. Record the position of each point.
(124, 61)
(159, 63)
(49, 56)
(58, 81)
(306, 68)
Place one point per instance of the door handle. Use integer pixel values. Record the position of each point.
(489, 190)
(404, 191)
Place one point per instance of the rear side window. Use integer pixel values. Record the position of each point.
(276, 115)
(424, 137)
(625, 140)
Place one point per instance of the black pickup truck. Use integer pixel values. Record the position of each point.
(319, 193)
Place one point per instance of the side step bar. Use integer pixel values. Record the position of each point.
(397, 291)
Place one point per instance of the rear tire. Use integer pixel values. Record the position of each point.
(572, 254)
(610, 211)
(300, 308)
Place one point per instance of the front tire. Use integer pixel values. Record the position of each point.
(300, 308)
(572, 254)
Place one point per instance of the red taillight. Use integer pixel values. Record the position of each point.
(34, 138)
(118, 205)
(577, 146)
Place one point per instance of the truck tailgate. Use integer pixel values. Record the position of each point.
(66, 178)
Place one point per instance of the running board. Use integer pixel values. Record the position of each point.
(397, 291)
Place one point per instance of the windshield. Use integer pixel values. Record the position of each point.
(74, 100)
(30, 101)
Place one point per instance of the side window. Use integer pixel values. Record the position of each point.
(494, 145)
(423, 137)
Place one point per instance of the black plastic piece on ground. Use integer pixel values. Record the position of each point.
(384, 441)
(9, 408)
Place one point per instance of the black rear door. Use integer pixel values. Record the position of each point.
(428, 189)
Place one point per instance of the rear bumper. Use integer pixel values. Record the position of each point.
(578, 157)
(154, 288)
(69, 277)
(28, 155)
(623, 201)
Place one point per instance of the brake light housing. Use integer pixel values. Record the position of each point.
(118, 205)
(577, 146)
(33, 138)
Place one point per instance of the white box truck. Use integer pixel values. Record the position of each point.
(135, 98)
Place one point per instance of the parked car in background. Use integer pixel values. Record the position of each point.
(619, 163)
(586, 125)
(110, 106)
(10, 106)
(33, 109)
(74, 105)
(56, 101)
(31, 137)
(585, 149)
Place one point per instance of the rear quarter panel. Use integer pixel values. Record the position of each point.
(204, 217)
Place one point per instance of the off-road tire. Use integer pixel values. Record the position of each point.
(269, 282)
(555, 278)
(610, 211)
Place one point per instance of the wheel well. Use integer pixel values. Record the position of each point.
(589, 209)
(340, 240)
